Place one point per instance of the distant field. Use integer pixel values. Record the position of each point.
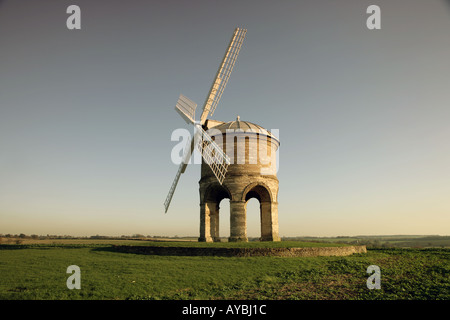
(38, 271)
(395, 241)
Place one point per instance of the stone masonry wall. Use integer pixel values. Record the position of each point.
(243, 252)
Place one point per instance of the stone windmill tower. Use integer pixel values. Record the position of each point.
(239, 162)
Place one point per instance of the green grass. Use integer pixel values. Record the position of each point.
(39, 272)
(393, 241)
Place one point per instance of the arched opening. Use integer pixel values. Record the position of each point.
(268, 214)
(259, 192)
(224, 219)
(253, 209)
(210, 212)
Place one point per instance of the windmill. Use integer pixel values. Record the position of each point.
(211, 152)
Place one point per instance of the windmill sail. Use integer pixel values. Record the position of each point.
(181, 169)
(213, 155)
(172, 188)
(186, 108)
(211, 152)
(223, 74)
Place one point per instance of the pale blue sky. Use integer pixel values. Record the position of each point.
(86, 116)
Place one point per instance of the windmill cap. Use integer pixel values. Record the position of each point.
(246, 126)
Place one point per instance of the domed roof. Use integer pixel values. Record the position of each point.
(243, 125)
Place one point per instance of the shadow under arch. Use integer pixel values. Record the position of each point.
(258, 190)
(216, 193)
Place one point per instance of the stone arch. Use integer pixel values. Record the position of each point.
(258, 190)
(216, 192)
(209, 211)
(268, 209)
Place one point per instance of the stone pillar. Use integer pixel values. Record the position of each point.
(269, 221)
(207, 210)
(238, 221)
(214, 220)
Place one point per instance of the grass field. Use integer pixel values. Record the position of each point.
(392, 241)
(38, 271)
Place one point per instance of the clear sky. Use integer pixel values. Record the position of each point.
(86, 116)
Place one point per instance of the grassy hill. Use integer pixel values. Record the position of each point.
(38, 271)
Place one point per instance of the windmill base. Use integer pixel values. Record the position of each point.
(230, 239)
(236, 239)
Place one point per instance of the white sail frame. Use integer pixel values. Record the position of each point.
(186, 108)
(223, 74)
(213, 155)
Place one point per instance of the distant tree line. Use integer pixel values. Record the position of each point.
(52, 236)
